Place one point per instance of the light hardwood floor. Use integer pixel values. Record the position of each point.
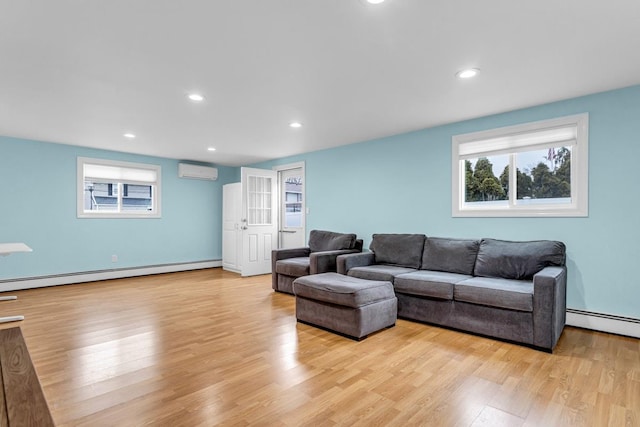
(208, 348)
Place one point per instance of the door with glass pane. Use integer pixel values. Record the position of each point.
(259, 221)
(292, 216)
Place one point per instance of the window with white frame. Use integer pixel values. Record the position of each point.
(110, 189)
(533, 169)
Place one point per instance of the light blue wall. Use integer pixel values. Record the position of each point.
(38, 207)
(403, 184)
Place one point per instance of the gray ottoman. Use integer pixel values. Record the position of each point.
(347, 305)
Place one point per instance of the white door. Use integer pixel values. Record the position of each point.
(291, 229)
(231, 232)
(259, 220)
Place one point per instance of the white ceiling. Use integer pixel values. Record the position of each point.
(85, 72)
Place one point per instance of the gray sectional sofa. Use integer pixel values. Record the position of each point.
(514, 291)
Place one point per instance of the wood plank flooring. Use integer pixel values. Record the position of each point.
(209, 348)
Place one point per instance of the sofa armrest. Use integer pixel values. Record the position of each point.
(349, 261)
(325, 261)
(549, 306)
(278, 254)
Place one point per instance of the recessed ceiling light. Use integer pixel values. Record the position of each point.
(196, 97)
(211, 149)
(468, 73)
(373, 1)
(295, 124)
(129, 135)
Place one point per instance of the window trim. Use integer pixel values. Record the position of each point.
(156, 185)
(579, 169)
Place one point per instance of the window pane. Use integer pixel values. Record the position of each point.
(544, 176)
(98, 196)
(293, 215)
(137, 198)
(259, 200)
(293, 201)
(486, 180)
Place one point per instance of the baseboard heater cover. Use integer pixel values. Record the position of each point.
(93, 276)
(619, 325)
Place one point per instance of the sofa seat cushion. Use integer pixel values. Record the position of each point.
(379, 272)
(435, 284)
(493, 292)
(293, 266)
(342, 290)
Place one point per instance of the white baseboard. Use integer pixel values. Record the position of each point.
(604, 322)
(92, 276)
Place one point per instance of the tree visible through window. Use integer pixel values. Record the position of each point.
(550, 178)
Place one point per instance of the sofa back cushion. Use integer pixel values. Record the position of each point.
(320, 240)
(403, 250)
(517, 260)
(450, 255)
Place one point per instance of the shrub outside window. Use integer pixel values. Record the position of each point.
(110, 189)
(534, 169)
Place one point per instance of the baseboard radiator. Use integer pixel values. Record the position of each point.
(604, 322)
(93, 276)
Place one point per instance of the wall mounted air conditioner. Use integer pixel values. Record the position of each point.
(186, 170)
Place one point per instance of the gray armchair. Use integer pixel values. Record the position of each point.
(319, 257)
